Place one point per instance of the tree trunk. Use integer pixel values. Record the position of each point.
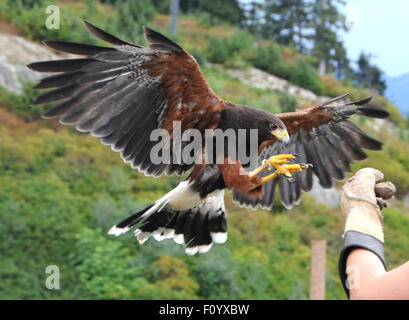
(174, 10)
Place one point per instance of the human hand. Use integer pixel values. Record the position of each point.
(362, 200)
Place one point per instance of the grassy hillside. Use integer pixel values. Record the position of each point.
(61, 191)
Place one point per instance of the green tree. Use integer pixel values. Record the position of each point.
(286, 21)
(253, 17)
(162, 6)
(327, 20)
(369, 75)
(131, 15)
(229, 11)
(25, 3)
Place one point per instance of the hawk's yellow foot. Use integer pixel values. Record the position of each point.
(284, 169)
(273, 162)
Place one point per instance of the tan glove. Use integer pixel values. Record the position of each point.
(362, 200)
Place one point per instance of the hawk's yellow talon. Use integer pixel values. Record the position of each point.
(279, 162)
(267, 178)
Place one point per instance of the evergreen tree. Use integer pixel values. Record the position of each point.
(253, 17)
(225, 11)
(286, 21)
(369, 75)
(327, 21)
(162, 6)
(131, 16)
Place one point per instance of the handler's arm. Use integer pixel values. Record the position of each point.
(362, 258)
(374, 281)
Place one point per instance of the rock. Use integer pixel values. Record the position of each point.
(406, 199)
(15, 53)
(260, 79)
(330, 196)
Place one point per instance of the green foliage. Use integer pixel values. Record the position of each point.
(105, 268)
(126, 20)
(333, 87)
(307, 77)
(288, 103)
(237, 52)
(231, 51)
(20, 104)
(218, 11)
(31, 23)
(233, 90)
(369, 75)
(268, 58)
(396, 225)
(130, 15)
(217, 51)
(216, 275)
(162, 6)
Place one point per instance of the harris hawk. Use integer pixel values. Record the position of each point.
(121, 94)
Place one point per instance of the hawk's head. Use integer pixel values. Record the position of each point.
(269, 126)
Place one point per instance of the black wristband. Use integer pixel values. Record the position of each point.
(357, 240)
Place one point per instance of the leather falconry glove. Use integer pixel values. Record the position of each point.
(362, 199)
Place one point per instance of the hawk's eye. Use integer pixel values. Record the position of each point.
(272, 126)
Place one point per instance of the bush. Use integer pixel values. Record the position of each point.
(216, 275)
(31, 23)
(123, 21)
(268, 58)
(217, 51)
(287, 103)
(307, 77)
(21, 104)
(332, 87)
(231, 51)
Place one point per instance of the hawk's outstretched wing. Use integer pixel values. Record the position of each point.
(122, 94)
(323, 136)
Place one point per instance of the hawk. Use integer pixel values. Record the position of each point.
(121, 94)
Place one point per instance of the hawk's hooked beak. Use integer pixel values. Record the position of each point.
(282, 135)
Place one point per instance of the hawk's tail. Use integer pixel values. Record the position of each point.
(197, 228)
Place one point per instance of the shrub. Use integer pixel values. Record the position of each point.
(231, 51)
(307, 77)
(217, 51)
(287, 103)
(21, 104)
(216, 275)
(332, 87)
(268, 58)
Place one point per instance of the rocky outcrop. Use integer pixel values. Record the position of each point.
(406, 199)
(15, 53)
(260, 79)
(330, 196)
